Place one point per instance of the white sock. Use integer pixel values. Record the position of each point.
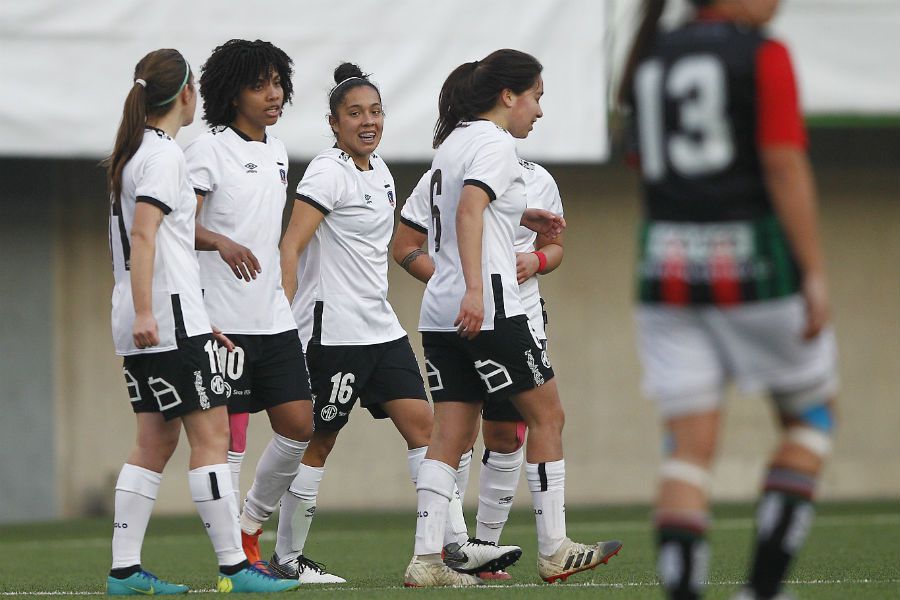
(456, 530)
(276, 469)
(547, 482)
(212, 494)
(298, 507)
(496, 489)
(434, 489)
(414, 459)
(235, 459)
(136, 492)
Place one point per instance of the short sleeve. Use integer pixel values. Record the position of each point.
(416, 211)
(545, 190)
(323, 184)
(202, 164)
(160, 180)
(494, 166)
(779, 120)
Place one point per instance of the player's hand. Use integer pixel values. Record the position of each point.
(471, 315)
(527, 264)
(818, 306)
(543, 222)
(144, 331)
(222, 339)
(243, 263)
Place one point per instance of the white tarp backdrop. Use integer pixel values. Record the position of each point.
(66, 66)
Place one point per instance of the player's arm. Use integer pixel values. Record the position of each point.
(147, 219)
(408, 253)
(241, 260)
(547, 251)
(305, 219)
(469, 230)
(788, 176)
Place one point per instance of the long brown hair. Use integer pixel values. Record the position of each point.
(158, 79)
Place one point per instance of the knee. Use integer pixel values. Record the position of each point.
(501, 436)
(320, 446)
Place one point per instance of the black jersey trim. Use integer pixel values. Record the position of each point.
(157, 203)
(199, 192)
(246, 137)
(178, 317)
(480, 184)
(412, 225)
(318, 308)
(123, 234)
(313, 203)
(497, 289)
(542, 474)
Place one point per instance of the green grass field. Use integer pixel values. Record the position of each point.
(852, 553)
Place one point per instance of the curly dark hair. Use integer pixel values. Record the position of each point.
(235, 65)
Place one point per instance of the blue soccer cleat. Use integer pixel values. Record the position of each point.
(143, 583)
(253, 579)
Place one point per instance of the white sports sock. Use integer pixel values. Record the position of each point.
(235, 459)
(456, 530)
(496, 490)
(434, 489)
(136, 492)
(276, 469)
(547, 482)
(298, 507)
(414, 459)
(212, 494)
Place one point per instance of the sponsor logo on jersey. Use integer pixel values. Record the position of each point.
(251, 168)
(283, 174)
(368, 199)
(535, 372)
(390, 195)
(201, 390)
(526, 164)
(328, 412)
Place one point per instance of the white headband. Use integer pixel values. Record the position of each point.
(141, 83)
(331, 93)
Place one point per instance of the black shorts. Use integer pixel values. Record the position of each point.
(264, 371)
(176, 382)
(495, 365)
(505, 410)
(374, 374)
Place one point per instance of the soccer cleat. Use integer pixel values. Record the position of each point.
(435, 574)
(573, 557)
(253, 579)
(747, 594)
(250, 543)
(476, 556)
(142, 583)
(500, 575)
(303, 570)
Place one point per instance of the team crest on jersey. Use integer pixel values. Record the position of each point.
(390, 195)
(283, 174)
(368, 199)
(251, 168)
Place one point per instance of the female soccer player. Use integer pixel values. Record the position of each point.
(355, 347)
(172, 365)
(239, 173)
(478, 347)
(502, 425)
(732, 280)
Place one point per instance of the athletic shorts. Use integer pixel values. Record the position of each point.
(497, 364)
(505, 410)
(690, 353)
(372, 374)
(176, 382)
(264, 371)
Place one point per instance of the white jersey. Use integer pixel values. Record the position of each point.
(478, 153)
(245, 185)
(157, 174)
(541, 191)
(350, 252)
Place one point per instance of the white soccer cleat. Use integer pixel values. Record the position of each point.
(303, 569)
(435, 574)
(572, 557)
(476, 556)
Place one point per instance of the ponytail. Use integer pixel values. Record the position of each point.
(451, 100)
(158, 79)
(652, 12)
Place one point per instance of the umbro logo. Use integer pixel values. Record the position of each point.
(505, 500)
(368, 199)
(251, 168)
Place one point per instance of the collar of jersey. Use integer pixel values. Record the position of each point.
(246, 137)
(157, 130)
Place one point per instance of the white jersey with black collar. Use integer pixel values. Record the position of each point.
(482, 154)
(157, 174)
(244, 184)
(351, 243)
